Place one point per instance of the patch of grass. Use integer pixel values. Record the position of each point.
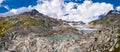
(19, 21)
(117, 49)
(48, 19)
(26, 21)
(4, 25)
(118, 31)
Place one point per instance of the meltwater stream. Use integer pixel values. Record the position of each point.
(83, 28)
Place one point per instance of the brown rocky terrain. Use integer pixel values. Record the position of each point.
(34, 32)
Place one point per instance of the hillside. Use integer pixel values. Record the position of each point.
(35, 32)
(109, 30)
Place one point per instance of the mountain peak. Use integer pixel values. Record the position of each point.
(111, 12)
(33, 12)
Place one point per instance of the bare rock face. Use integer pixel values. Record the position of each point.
(33, 32)
(108, 35)
(29, 32)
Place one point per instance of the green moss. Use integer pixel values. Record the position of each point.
(48, 19)
(26, 21)
(4, 25)
(118, 31)
(117, 48)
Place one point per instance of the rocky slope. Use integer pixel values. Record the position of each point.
(108, 33)
(34, 32)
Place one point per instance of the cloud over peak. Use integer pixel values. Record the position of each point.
(17, 11)
(86, 11)
(118, 8)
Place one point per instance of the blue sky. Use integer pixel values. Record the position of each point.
(16, 4)
(25, 3)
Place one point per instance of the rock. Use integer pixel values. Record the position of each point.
(90, 25)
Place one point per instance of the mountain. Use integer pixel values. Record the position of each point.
(35, 32)
(109, 30)
(31, 29)
(32, 13)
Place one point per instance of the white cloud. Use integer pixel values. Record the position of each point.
(86, 11)
(1, 2)
(118, 8)
(16, 11)
(7, 7)
(51, 8)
